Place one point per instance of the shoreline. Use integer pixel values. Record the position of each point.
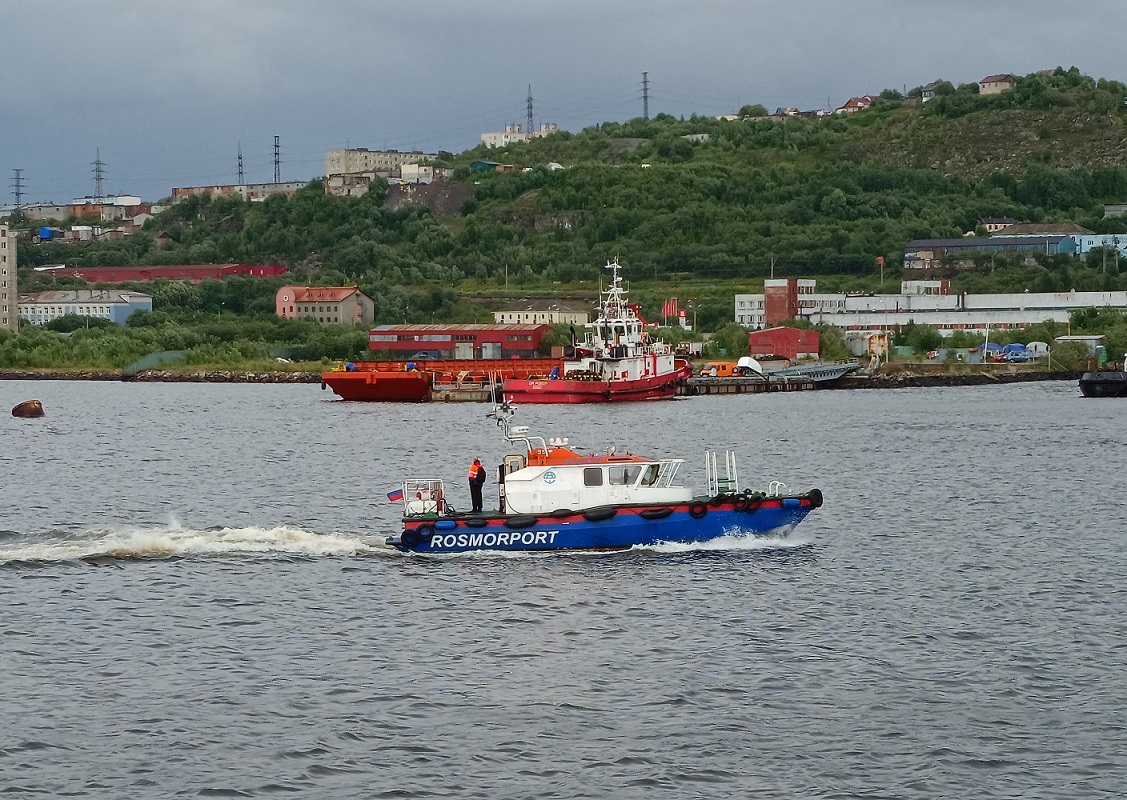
(905, 380)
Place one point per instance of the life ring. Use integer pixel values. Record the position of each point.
(655, 513)
(424, 532)
(560, 513)
(520, 521)
(739, 502)
(599, 513)
(816, 499)
(409, 538)
(698, 509)
(476, 522)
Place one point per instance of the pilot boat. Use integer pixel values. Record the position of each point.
(553, 497)
(618, 360)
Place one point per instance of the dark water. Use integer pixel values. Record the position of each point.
(196, 603)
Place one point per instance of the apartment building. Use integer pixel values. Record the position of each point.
(9, 299)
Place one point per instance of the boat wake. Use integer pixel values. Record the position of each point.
(175, 541)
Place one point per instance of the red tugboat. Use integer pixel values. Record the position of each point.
(618, 360)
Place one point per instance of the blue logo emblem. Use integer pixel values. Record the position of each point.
(549, 477)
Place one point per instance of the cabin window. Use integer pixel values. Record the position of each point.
(593, 476)
(650, 478)
(623, 476)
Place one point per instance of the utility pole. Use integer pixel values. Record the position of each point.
(277, 160)
(17, 188)
(99, 173)
(528, 128)
(241, 164)
(645, 95)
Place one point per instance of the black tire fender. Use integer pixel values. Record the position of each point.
(599, 513)
(409, 538)
(424, 532)
(698, 509)
(520, 521)
(739, 502)
(816, 498)
(655, 513)
(476, 522)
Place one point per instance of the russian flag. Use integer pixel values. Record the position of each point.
(395, 495)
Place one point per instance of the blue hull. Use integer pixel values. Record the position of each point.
(626, 527)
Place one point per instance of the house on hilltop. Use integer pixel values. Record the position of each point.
(855, 104)
(996, 84)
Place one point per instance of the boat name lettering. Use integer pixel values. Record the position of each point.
(502, 539)
(549, 477)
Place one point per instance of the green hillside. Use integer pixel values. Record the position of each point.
(697, 217)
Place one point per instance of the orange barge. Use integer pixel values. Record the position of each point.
(420, 381)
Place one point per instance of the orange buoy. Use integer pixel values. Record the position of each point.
(28, 408)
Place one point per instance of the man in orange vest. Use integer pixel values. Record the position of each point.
(477, 480)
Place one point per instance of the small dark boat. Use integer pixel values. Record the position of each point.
(1103, 384)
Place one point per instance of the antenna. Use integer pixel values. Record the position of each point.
(17, 187)
(99, 173)
(277, 160)
(645, 95)
(529, 128)
(240, 163)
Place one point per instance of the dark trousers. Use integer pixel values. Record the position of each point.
(475, 496)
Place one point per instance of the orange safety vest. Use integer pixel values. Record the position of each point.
(473, 470)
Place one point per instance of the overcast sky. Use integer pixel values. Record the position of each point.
(167, 91)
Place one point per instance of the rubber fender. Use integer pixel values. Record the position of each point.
(409, 538)
(816, 499)
(739, 502)
(698, 509)
(791, 501)
(717, 501)
(655, 513)
(599, 513)
(560, 513)
(424, 532)
(520, 521)
(445, 524)
(753, 505)
(476, 522)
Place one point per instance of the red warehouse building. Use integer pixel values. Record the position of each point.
(458, 341)
(791, 343)
(181, 272)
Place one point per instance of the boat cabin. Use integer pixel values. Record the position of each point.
(551, 478)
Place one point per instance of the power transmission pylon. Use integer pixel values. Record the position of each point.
(277, 160)
(645, 95)
(17, 188)
(240, 163)
(99, 173)
(529, 128)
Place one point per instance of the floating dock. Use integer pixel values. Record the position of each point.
(699, 385)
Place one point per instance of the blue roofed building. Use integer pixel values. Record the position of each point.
(116, 305)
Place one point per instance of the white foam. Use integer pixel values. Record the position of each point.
(174, 541)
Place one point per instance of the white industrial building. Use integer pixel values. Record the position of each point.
(116, 305)
(923, 303)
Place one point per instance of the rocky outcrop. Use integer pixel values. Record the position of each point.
(225, 376)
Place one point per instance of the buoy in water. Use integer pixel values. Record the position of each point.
(28, 408)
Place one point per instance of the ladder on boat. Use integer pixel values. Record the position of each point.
(729, 483)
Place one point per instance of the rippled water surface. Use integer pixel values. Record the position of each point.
(197, 603)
